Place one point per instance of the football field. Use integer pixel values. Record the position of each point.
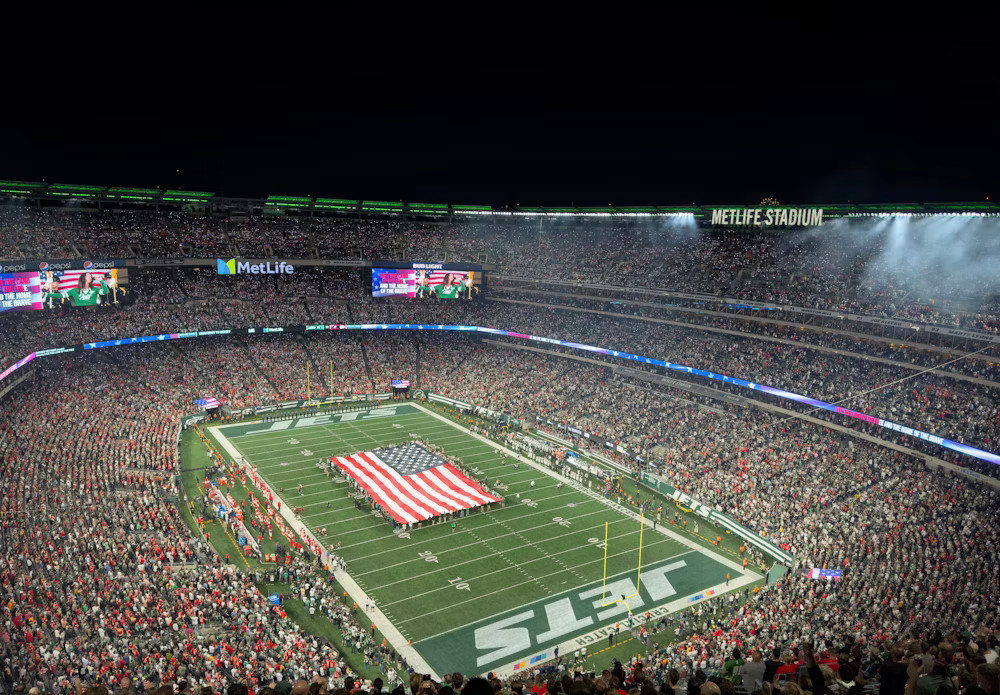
(504, 587)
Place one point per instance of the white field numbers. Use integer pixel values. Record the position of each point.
(428, 556)
(529, 503)
(460, 584)
(559, 520)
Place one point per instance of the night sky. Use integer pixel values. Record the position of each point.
(809, 122)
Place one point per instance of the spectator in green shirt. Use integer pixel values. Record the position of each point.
(448, 289)
(731, 669)
(85, 293)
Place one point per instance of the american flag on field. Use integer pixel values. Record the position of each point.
(437, 277)
(411, 483)
(207, 403)
(817, 573)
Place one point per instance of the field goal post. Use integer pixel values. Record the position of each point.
(638, 570)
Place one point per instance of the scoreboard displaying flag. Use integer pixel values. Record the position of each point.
(207, 403)
(427, 280)
(50, 289)
(829, 575)
(411, 483)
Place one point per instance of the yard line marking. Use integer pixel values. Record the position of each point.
(493, 554)
(435, 538)
(507, 588)
(594, 495)
(285, 432)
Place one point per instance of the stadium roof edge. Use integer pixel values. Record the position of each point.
(281, 204)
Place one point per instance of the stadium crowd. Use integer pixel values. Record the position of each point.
(888, 522)
(960, 409)
(103, 581)
(853, 266)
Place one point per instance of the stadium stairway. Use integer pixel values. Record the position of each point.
(250, 360)
(458, 366)
(194, 363)
(309, 313)
(361, 342)
(316, 370)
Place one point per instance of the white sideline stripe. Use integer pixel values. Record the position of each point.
(391, 632)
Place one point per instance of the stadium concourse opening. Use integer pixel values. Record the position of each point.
(533, 443)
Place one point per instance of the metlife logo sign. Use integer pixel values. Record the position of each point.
(234, 267)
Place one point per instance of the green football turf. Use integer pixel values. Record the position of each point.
(455, 594)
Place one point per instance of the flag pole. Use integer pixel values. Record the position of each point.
(330, 389)
(308, 392)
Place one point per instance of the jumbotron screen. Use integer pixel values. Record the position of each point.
(50, 289)
(427, 280)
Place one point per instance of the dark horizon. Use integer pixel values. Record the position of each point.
(834, 139)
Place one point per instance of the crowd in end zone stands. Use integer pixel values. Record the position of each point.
(87, 456)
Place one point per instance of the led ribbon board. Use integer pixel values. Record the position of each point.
(972, 451)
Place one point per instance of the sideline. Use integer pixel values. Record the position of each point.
(412, 656)
(391, 633)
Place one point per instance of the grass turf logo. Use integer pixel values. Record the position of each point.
(232, 267)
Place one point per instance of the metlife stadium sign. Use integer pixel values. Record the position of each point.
(768, 217)
(234, 267)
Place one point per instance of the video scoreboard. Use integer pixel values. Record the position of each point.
(50, 289)
(431, 281)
